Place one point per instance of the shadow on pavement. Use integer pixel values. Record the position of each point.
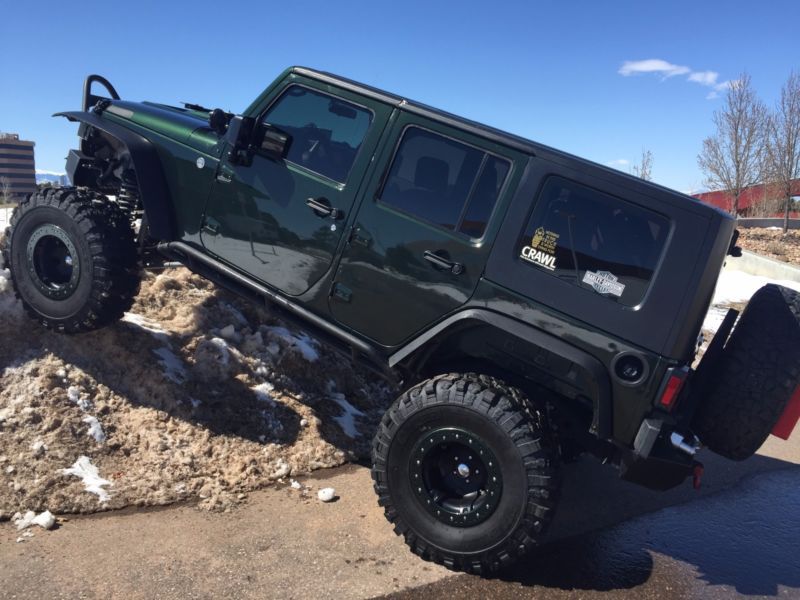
(742, 540)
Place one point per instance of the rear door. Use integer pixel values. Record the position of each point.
(423, 231)
(262, 218)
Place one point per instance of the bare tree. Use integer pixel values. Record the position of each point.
(5, 190)
(732, 159)
(644, 169)
(783, 145)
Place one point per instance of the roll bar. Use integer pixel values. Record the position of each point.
(90, 99)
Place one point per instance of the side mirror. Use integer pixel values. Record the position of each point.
(274, 143)
(245, 138)
(238, 135)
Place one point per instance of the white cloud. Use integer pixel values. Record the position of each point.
(666, 69)
(619, 163)
(652, 65)
(708, 78)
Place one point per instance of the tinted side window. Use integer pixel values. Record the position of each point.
(326, 131)
(597, 241)
(444, 182)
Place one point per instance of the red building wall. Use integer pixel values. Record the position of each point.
(749, 199)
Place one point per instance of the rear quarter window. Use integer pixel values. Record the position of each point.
(598, 242)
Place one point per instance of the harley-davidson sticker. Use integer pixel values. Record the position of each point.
(604, 282)
(542, 249)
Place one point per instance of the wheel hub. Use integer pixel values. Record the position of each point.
(456, 477)
(51, 262)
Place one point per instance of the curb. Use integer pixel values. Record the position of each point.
(755, 264)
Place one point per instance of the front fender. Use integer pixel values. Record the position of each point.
(150, 178)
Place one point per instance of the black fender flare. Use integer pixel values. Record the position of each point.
(597, 381)
(153, 188)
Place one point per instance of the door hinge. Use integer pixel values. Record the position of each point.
(357, 236)
(211, 225)
(342, 292)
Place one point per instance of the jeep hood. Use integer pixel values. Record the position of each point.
(180, 124)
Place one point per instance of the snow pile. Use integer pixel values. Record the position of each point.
(39, 448)
(738, 286)
(45, 520)
(171, 364)
(734, 289)
(5, 218)
(327, 494)
(74, 394)
(9, 305)
(263, 392)
(146, 324)
(95, 429)
(347, 420)
(299, 342)
(90, 477)
(195, 394)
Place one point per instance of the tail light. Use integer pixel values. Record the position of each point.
(789, 418)
(672, 387)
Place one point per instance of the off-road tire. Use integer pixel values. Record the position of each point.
(515, 432)
(758, 373)
(100, 233)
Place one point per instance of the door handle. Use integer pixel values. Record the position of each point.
(456, 268)
(322, 208)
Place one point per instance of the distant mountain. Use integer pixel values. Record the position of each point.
(51, 177)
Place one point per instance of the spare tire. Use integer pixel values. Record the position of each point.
(758, 373)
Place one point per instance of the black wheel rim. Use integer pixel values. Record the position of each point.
(456, 477)
(53, 262)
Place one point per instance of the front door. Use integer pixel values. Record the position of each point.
(424, 229)
(274, 219)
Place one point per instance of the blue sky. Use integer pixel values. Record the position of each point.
(567, 74)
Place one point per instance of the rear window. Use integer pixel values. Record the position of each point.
(596, 241)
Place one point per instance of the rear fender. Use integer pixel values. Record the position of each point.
(491, 340)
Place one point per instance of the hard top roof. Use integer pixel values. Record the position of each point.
(496, 135)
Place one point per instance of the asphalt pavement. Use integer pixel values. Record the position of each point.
(735, 537)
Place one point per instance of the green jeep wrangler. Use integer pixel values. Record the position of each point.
(533, 305)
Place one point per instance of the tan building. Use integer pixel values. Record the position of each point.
(17, 167)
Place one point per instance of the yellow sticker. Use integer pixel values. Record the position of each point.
(544, 240)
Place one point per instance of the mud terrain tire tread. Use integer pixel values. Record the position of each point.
(759, 371)
(524, 425)
(106, 230)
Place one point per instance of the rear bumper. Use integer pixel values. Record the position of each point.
(661, 459)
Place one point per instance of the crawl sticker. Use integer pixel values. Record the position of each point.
(604, 282)
(542, 249)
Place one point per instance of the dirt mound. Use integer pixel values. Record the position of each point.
(194, 395)
(772, 243)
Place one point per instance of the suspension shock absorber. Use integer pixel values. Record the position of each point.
(128, 197)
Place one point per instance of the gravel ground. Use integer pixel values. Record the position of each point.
(195, 395)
